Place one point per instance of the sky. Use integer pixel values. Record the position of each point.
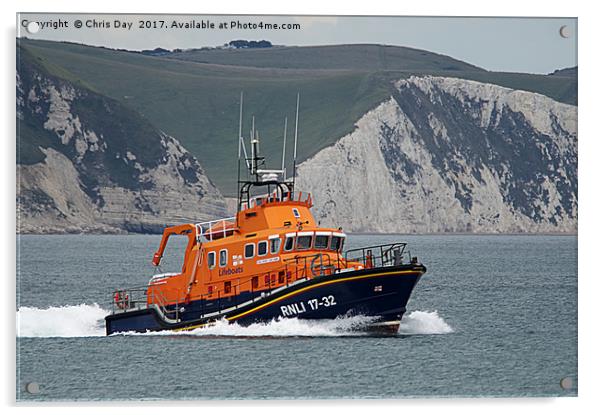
(511, 44)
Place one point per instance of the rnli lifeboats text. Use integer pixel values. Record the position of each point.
(291, 310)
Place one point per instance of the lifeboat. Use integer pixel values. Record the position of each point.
(272, 260)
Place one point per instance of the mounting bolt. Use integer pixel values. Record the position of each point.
(32, 388)
(566, 383)
(33, 27)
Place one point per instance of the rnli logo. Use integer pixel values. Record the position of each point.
(236, 260)
(230, 271)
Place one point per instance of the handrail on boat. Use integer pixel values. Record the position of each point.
(137, 298)
(259, 200)
(210, 230)
(295, 269)
(378, 255)
(220, 228)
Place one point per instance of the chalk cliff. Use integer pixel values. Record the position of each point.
(87, 163)
(451, 155)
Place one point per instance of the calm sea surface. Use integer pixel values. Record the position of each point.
(493, 316)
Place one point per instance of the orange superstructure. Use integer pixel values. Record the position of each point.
(272, 242)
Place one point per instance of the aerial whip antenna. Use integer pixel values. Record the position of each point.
(295, 150)
(241, 139)
(241, 144)
(255, 152)
(253, 145)
(284, 148)
(240, 126)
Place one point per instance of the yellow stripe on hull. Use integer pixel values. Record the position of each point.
(300, 290)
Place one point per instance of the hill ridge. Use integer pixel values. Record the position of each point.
(198, 102)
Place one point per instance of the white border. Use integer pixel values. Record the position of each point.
(589, 198)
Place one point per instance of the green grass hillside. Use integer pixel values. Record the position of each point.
(365, 57)
(194, 95)
(389, 61)
(122, 129)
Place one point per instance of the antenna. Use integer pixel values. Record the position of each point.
(295, 150)
(284, 148)
(252, 155)
(257, 173)
(241, 143)
(240, 139)
(252, 144)
(244, 150)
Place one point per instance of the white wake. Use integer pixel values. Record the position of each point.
(86, 320)
(288, 327)
(66, 321)
(424, 322)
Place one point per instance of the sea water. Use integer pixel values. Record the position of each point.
(493, 316)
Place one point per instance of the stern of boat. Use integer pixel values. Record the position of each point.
(131, 311)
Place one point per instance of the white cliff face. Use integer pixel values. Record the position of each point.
(51, 198)
(451, 155)
(102, 167)
(178, 192)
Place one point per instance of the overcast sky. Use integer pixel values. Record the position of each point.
(500, 44)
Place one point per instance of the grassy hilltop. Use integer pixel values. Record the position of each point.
(193, 95)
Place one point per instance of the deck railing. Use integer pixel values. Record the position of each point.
(378, 255)
(301, 197)
(294, 270)
(138, 298)
(213, 229)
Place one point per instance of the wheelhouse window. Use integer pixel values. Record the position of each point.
(262, 248)
(321, 242)
(303, 242)
(211, 260)
(223, 257)
(274, 245)
(288, 244)
(336, 243)
(249, 250)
